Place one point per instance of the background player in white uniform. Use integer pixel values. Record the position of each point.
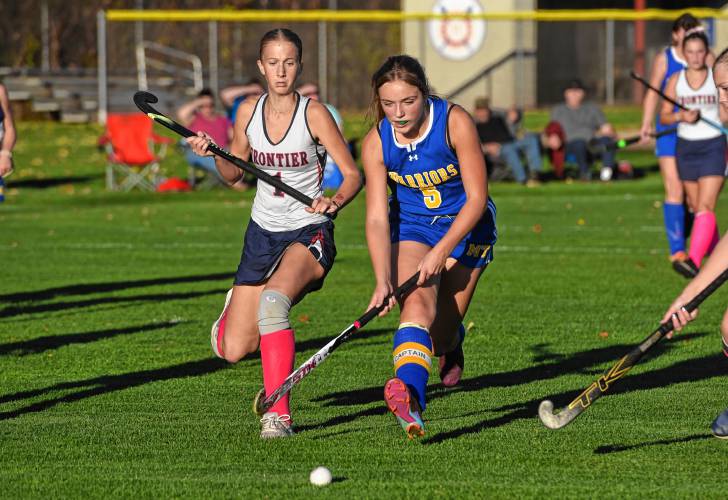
(288, 248)
(667, 63)
(714, 266)
(701, 148)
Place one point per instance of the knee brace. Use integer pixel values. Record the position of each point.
(273, 310)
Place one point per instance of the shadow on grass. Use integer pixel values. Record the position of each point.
(112, 286)
(106, 384)
(111, 383)
(51, 182)
(690, 370)
(588, 363)
(612, 448)
(10, 311)
(41, 344)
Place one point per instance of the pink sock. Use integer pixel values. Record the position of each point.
(715, 240)
(704, 229)
(277, 353)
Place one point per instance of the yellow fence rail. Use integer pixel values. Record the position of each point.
(398, 16)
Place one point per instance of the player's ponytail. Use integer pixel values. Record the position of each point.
(400, 67)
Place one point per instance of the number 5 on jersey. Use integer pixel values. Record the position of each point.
(431, 196)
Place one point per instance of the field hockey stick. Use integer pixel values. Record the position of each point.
(644, 82)
(604, 383)
(597, 146)
(143, 99)
(262, 404)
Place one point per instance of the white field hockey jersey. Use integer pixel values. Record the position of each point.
(296, 160)
(704, 99)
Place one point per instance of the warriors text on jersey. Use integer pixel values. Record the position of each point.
(296, 159)
(424, 176)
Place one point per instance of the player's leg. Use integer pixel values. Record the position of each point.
(705, 226)
(412, 346)
(235, 333)
(458, 281)
(448, 333)
(684, 264)
(673, 208)
(724, 332)
(297, 272)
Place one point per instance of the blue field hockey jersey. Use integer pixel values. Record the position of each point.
(424, 176)
(674, 65)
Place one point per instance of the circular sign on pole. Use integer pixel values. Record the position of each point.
(457, 38)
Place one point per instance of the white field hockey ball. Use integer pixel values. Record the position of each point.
(320, 476)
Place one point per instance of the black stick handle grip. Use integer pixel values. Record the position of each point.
(666, 327)
(400, 292)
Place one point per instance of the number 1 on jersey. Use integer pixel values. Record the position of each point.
(276, 191)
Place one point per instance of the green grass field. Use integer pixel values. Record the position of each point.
(108, 386)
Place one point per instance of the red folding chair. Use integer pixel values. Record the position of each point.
(134, 152)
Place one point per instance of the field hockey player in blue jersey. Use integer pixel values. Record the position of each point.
(438, 220)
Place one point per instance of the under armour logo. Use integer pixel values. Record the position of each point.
(413, 157)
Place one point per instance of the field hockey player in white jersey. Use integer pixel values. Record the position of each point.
(289, 247)
(701, 143)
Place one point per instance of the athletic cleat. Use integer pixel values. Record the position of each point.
(215, 337)
(405, 407)
(452, 365)
(720, 425)
(685, 267)
(276, 426)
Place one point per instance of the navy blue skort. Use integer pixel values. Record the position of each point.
(701, 158)
(263, 250)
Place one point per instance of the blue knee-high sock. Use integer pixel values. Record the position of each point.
(675, 226)
(412, 355)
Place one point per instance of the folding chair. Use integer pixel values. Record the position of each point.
(132, 159)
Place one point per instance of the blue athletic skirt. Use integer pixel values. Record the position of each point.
(475, 250)
(701, 158)
(263, 250)
(665, 145)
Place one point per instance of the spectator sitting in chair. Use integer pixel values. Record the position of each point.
(498, 140)
(199, 115)
(573, 124)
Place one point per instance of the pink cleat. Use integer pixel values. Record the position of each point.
(405, 407)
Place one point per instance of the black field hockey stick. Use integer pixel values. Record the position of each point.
(596, 146)
(143, 99)
(644, 82)
(262, 404)
(604, 383)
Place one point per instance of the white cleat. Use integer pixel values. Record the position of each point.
(215, 338)
(275, 426)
